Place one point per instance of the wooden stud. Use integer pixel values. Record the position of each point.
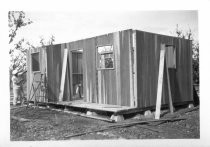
(28, 72)
(70, 67)
(63, 75)
(99, 87)
(68, 76)
(191, 71)
(134, 69)
(132, 101)
(160, 82)
(169, 87)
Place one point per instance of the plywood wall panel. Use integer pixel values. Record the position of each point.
(90, 69)
(148, 50)
(125, 67)
(50, 75)
(107, 84)
(117, 45)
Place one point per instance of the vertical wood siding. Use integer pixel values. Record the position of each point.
(106, 82)
(35, 75)
(124, 67)
(148, 52)
(113, 86)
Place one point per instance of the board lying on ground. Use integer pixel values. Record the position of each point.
(118, 70)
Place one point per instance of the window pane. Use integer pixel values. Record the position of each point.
(106, 61)
(105, 57)
(109, 63)
(104, 49)
(35, 61)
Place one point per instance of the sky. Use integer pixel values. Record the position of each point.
(76, 25)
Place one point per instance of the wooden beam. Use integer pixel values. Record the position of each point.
(63, 75)
(160, 81)
(169, 87)
(19, 119)
(132, 101)
(90, 116)
(70, 67)
(191, 70)
(134, 69)
(99, 87)
(28, 65)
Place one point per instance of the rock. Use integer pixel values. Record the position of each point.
(190, 106)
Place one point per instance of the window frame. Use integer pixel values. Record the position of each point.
(109, 52)
(35, 71)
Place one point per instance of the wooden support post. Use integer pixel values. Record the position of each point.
(63, 74)
(169, 87)
(160, 81)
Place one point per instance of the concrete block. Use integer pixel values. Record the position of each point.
(190, 106)
(91, 113)
(148, 114)
(117, 118)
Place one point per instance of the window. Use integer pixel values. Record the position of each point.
(105, 57)
(35, 62)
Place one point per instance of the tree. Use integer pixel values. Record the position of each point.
(43, 42)
(195, 51)
(18, 50)
(16, 20)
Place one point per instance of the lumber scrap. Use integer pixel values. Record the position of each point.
(90, 116)
(149, 128)
(188, 110)
(125, 124)
(20, 119)
(21, 106)
(63, 74)
(177, 114)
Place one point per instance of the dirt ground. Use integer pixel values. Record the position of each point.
(45, 124)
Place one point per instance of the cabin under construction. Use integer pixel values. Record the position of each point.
(118, 72)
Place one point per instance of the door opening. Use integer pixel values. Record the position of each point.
(77, 75)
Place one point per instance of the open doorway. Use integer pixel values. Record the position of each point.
(77, 74)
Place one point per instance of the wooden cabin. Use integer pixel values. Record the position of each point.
(111, 72)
